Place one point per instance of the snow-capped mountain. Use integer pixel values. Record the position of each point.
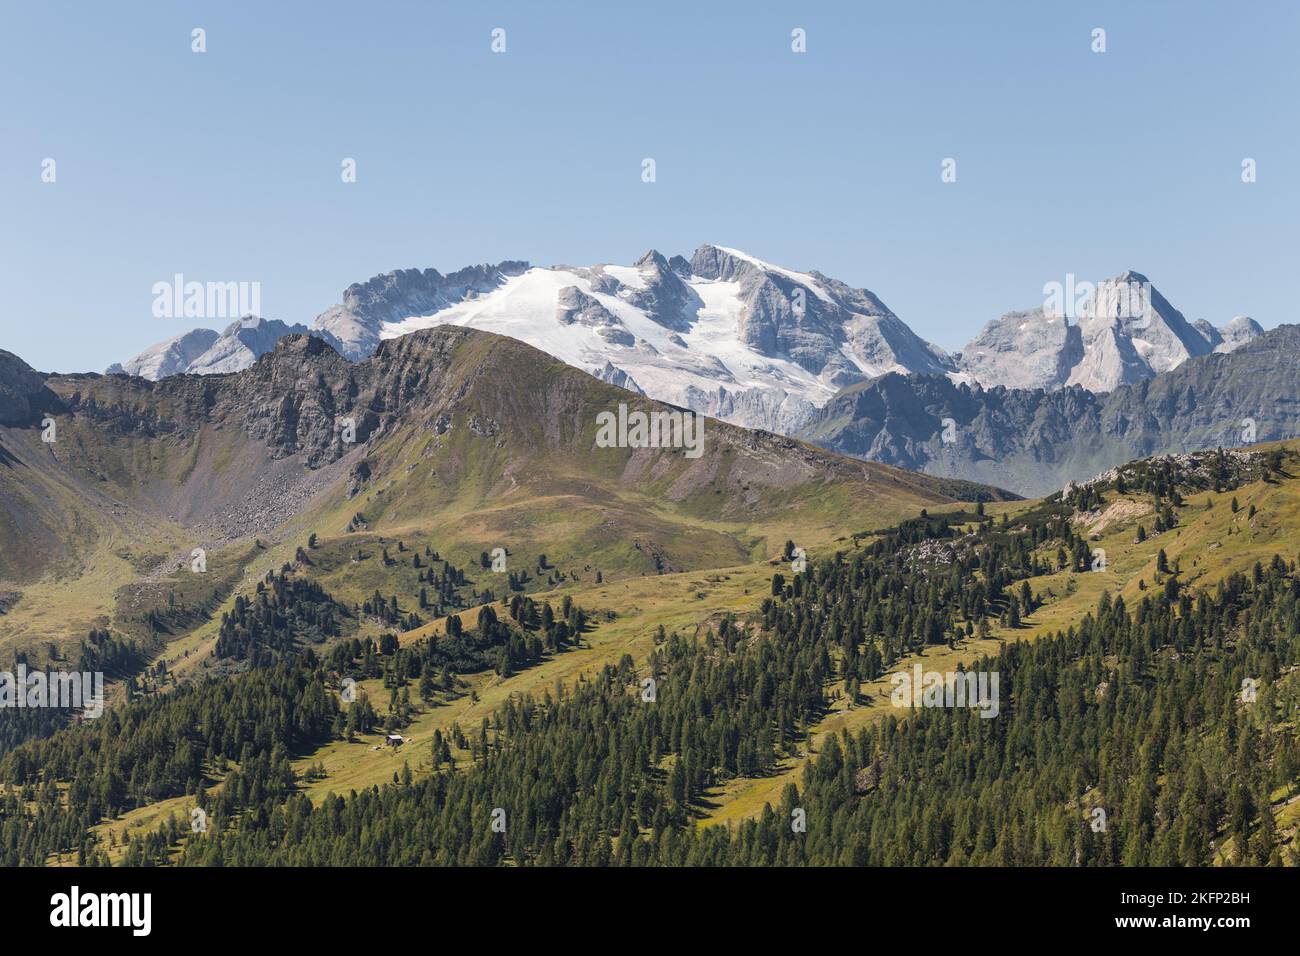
(728, 334)
(1127, 332)
(743, 339)
(724, 333)
(205, 352)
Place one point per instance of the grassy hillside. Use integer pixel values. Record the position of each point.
(1208, 542)
(468, 442)
(1201, 545)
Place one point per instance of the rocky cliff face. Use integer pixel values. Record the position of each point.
(295, 399)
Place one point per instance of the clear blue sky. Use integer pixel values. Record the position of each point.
(225, 166)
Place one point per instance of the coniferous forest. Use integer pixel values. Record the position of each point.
(1124, 739)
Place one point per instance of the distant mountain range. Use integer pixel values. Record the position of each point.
(1035, 399)
(206, 352)
(728, 334)
(1032, 441)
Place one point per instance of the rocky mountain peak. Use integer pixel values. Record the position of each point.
(1239, 331)
(1208, 332)
(303, 345)
(652, 257)
(1126, 332)
(713, 262)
